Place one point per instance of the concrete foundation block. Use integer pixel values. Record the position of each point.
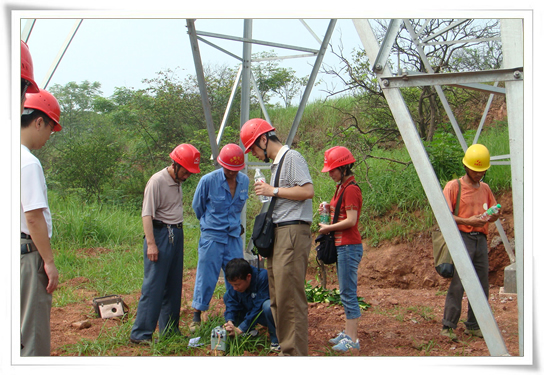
(510, 283)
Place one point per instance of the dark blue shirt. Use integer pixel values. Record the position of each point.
(249, 303)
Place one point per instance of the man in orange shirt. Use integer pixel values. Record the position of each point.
(476, 198)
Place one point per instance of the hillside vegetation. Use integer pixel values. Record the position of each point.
(395, 205)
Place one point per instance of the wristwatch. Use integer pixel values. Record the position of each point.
(276, 191)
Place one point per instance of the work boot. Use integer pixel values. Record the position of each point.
(448, 332)
(194, 326)
(475, 332)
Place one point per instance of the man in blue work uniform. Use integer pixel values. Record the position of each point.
(162, 218)
(248, 301)
(218, 202)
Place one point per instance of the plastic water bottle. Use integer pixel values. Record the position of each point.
(490, 211)
(259, 176)
(324, 213)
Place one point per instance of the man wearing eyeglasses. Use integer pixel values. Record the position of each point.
(39, 275)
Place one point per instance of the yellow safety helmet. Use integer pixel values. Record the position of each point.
(477, 158)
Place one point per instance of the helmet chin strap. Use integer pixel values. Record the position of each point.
(266, 158)
(176, 170)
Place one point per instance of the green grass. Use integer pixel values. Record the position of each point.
(496, 139)
(80, 229)
(107, 342)
(426, 347)
(112, 341)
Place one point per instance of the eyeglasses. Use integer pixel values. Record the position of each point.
(52, 125)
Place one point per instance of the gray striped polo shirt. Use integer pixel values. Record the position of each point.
(294, 172)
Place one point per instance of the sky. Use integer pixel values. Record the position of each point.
(123, 52)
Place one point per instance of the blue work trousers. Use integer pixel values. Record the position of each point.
(212, 257)
(161, 288)
(266, 319)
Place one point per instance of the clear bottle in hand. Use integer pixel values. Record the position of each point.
(259, 176)
(490, 211)
(324, 213)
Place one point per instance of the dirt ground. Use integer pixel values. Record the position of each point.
(397, 279)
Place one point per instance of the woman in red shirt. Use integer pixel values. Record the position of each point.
(339, 162)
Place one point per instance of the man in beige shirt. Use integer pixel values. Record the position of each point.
(162, 217)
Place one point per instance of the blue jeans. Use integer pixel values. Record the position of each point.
(349, 257)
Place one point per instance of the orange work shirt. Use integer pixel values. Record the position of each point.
(472, 202)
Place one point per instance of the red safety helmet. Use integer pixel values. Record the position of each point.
(252, 130)
(336, 157)
(231, 157)
(187, 156)
(27, 69)
(47, 103)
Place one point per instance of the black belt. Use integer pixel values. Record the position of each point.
(474, 233)
(293, 222)
(28, 246)
(160, 224)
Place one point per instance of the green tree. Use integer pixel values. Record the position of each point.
(275, 80)
(89, 164)
(471, 38)
(76, 105)
(83, 156)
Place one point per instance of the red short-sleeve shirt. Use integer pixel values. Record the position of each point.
(352, 200)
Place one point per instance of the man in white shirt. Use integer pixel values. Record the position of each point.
(39, 275)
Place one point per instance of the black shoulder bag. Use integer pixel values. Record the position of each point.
(263, 228)
(326, 249)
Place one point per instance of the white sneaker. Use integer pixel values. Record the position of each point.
(337, 339)
(345, 344)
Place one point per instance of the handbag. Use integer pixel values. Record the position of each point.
(442, 258)
(263, 228)
(326, 248)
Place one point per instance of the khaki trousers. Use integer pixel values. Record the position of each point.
(35, 307)
(286, 277)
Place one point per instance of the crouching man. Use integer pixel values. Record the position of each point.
(248, 302)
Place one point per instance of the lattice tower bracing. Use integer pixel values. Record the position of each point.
(247, 79)
(512, 75)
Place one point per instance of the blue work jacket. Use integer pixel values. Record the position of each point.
(249, 303)
(218, 211)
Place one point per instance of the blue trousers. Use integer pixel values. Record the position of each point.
(212, 257)
(161, 288)
(265, 319)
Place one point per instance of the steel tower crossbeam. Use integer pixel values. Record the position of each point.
(512, 74)
(247, 79)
